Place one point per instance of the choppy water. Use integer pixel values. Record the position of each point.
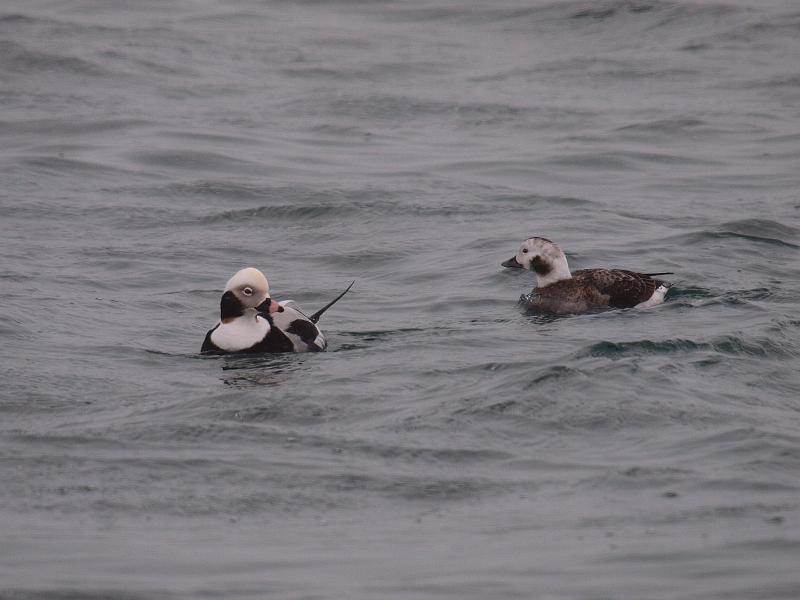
(447, 445)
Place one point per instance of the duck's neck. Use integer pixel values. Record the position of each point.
(559, 269)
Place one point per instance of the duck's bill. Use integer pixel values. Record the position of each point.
(269, 306)
(512, 262)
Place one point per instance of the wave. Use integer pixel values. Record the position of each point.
(60, 127)
(731, 345)
(196, 160)
(53, 165)
(304, 206)
(580, 13)
(17, 59)
(762, 231)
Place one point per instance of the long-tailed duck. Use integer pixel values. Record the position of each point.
(558, 290)
(252, 322)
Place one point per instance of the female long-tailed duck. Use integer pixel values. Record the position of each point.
(252, 322)
(558, 290)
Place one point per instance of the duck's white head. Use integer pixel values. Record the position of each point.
(544, 258)
(249, 286)
(247, 290)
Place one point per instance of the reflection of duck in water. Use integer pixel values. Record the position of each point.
(252, 322)
(558, 290)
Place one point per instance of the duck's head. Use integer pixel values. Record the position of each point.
(544, 258)
(247, 290)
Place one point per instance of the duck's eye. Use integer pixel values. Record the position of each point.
(524, 250)
(247, 291)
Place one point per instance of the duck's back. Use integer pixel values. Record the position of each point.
(624, 289)
(304, 335)
(591, 288)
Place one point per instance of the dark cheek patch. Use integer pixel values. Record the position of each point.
(230, 307)
(540, 267)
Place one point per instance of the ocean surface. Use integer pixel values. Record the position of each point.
(447, 444)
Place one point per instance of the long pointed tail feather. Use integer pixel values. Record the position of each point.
(315, 317)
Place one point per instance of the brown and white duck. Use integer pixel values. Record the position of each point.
(559, 290)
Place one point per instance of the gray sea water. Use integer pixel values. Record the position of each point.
(447, 444)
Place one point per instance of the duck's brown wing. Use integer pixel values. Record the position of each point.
(625, 289)
(566, 296)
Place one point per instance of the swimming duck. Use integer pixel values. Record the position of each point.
(558, 290)
(252, 322)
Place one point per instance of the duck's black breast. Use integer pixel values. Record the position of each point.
(210, 347)
(274, 342)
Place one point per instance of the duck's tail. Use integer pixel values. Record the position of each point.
(315, 317)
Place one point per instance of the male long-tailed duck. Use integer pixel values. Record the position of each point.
(558, 290)
(252, 322)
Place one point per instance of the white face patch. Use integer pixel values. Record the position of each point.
(241, 333)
